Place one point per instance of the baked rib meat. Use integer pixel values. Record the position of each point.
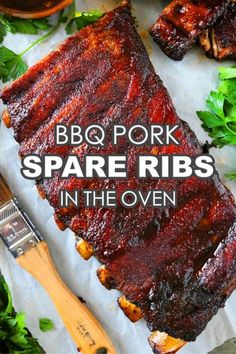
(182, 21)
(219, 41)
(177, 265)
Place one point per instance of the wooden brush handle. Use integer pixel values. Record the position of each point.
(5, 194)
(85, 330)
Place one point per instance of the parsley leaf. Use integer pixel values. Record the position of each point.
(41, 24)
(14, 336)
(12, 64)
(2, 32)
(227, 73)
(3, 71)
(45, 324)
(77, 20)
(19, 25)
(220, 120)
(215, 103)
(228, 89)
(83, 19)
(5, 298)
(231, 176)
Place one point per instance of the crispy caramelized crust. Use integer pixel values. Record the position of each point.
(182, 21)
(219, 41)
(177, 265)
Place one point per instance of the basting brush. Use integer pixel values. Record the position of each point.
(31, 252)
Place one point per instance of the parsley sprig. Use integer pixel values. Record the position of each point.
(12, 65)
(14, 336)
(231, 176)
(76, 20)
(18, 25)
(220, 120)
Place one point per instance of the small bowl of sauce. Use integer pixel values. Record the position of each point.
(32, 8)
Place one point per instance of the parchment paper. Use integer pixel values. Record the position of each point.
(188, 82)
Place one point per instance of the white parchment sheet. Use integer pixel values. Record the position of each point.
(189, 83)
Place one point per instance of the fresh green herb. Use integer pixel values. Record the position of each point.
(76, 20)
(45, 324)
(220, 120)
(231, 176)
(12, 65)
(3, 71)
(227, 72)
(18, 25)
(14, 336)
(2, 32)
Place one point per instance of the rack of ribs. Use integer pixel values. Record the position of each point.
(181, 23)
(175, 267)
(219, 41)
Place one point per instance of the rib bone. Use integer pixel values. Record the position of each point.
(132, 311)
(105, 278)
(6, 118)
(84, 249)
(162, 343)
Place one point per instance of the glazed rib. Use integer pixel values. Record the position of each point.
(219, 41)
(182, 21)
(177, 265)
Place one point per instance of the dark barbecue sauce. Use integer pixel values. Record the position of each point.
(29, 5)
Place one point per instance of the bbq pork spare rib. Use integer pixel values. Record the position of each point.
(183, 21)
(219, 41)
(178, 266)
